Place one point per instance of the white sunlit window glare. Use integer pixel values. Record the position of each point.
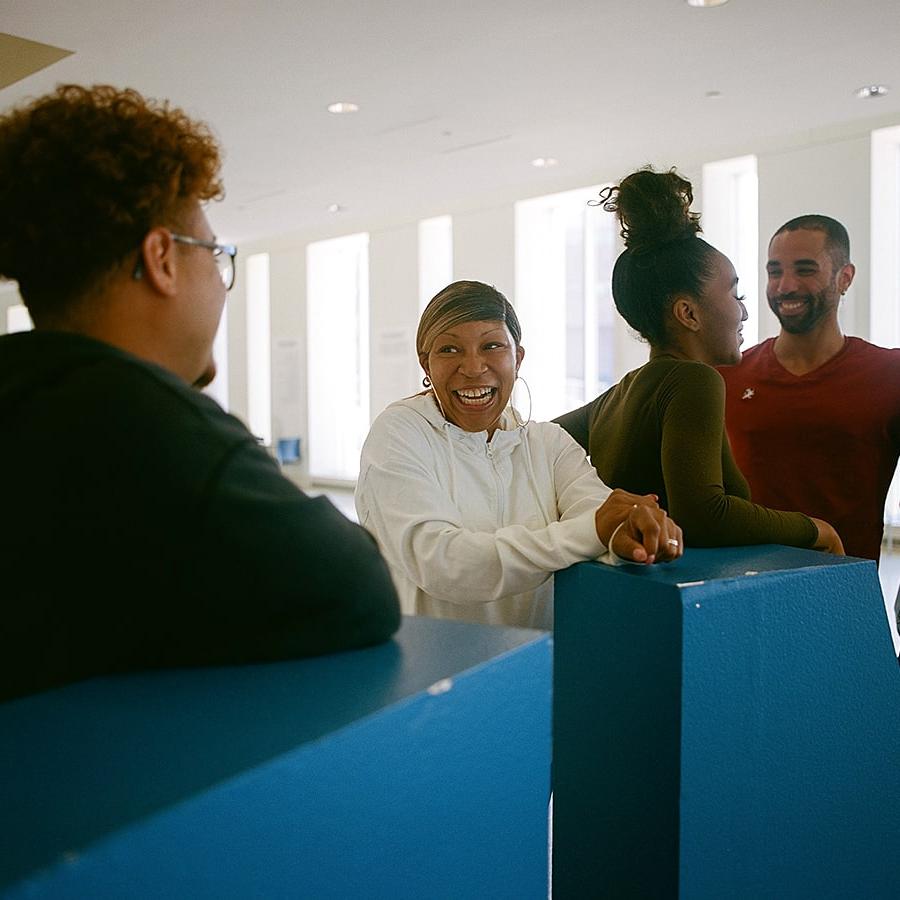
(218, 387)
(731, 224)
(259, 348)
(885, 263)
(337, 302)
(565, 251)
(884, 310)
(17, 319)
(435, 257)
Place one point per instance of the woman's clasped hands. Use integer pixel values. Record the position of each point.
(635, 528)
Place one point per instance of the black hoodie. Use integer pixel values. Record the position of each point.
(141, 526)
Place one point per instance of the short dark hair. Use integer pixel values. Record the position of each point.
(464, 301)
(663, 256)
(837, 241)
(85, 173)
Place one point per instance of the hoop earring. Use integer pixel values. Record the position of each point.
(440, 406)
(426, 383)
(512, 407)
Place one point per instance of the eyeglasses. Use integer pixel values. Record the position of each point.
(223, 254)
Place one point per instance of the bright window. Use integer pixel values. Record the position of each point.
(565, 251)
(17, 319)
(885, 231)
(884, 307)
(218, 387)
(259, 348)
(435, 257)
(731, 224)
(338, 336)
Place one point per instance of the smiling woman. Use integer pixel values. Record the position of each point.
(662, 427)
(475, 508)
(472, 367)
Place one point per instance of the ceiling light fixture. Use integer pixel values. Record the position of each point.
(335, 208)
(713, 95)
(342, 106)
(544, 162)
(706, 3)
(871, 90)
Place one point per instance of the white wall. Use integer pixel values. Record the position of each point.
(832, 178)
(287, 286)
(393, 314)
(484, 248)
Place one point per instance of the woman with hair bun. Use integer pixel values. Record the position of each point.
(475, 507)
(661, 428)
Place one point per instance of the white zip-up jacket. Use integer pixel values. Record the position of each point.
(473, 529)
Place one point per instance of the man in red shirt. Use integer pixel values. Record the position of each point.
(813, 416)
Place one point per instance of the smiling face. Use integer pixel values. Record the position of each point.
(804, 287)
(722, 315)
(472, 368)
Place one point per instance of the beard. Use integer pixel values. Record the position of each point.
(818, 306)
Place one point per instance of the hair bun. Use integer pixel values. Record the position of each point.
(653, 208)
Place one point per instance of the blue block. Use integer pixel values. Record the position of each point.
(726, 726)
(419, 768)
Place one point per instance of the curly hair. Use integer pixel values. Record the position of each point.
(663, 256)
(85, 173)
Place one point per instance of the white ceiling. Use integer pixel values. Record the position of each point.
(457, 98)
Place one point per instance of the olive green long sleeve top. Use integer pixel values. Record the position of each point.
(661, 431)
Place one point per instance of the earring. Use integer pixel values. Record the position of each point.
(426, 382)
(512, 407)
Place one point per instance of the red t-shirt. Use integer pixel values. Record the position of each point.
(825, 443)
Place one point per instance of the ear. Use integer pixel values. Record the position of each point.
(685, 309)
(520, 355)
(159, 258)
(423, 362)
(845, 277)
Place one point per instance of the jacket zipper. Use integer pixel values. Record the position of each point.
(501, 512)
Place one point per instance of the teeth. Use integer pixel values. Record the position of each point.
(475, 393)
(476, 397)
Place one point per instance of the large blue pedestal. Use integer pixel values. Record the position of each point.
(419, 768)
(726, 726)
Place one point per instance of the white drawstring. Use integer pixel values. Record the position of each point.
(532, 478)
(452, 462)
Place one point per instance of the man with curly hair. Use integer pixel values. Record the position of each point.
(142, 526)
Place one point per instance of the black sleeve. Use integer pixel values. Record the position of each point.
(578, 423)
(283, 574)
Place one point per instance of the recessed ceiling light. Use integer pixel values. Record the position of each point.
(335, 208)
(544, 162)
(706, 2)
(342, 106)
(871, 90)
